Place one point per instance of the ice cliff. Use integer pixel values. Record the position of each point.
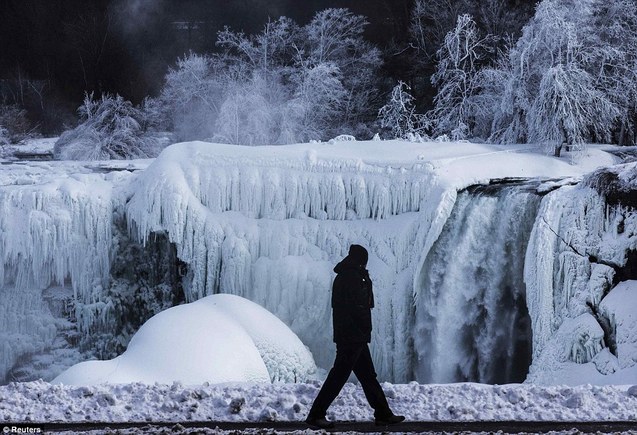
(580, 270)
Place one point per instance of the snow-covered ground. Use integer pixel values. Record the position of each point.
(42, 402)
(38, 148)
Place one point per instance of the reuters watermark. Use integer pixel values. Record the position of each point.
(21, 429)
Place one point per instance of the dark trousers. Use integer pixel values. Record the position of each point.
(351, 357)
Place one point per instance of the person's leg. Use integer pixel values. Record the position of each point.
(364, 371)
(346, 356)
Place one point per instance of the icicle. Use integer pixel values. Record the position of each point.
(51, 232)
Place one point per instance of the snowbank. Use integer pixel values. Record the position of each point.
(43, 402)
(220, 338)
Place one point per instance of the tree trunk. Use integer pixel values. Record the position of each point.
(622, 134)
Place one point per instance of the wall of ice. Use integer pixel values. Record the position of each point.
(54, 231)
(270, 231)
(578, 256)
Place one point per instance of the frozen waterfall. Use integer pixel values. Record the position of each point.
(254, 231)
(53, 231)
(471, 318)
(459, 294)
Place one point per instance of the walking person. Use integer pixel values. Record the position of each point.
(352, 302)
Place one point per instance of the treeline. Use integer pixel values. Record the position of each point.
(497, 70)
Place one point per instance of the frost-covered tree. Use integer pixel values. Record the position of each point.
(432, 20)
(110, 128)
(335, 36)
(250, 113)
(192, 94)
(284, 84)
(318, 101)
(456, 106)
(4, 136)
(398, 116)
(613, 30)
(266, 51)
(15, 123)
(566, 107)
(562, 81)
(154, 115)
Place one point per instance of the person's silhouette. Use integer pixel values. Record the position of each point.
(352, 302)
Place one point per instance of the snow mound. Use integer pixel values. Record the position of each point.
(285, 356)
(220, 338)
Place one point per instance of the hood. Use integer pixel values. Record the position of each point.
(356, 259)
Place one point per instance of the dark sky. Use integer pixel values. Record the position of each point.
(125, 46)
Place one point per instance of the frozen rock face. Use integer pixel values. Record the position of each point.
(579, 268)
(620, 308)
(59, 242)
(220, 338)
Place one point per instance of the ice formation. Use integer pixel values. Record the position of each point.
(269, 223)
(271, 229)
(574, 266)
(55, 228)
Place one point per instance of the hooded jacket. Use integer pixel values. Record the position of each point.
(352, 299)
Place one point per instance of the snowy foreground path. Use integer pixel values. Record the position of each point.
(271, 405)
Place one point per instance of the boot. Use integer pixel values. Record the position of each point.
(390, 419)
(319, 422)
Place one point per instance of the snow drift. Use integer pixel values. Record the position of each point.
(220, 338)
